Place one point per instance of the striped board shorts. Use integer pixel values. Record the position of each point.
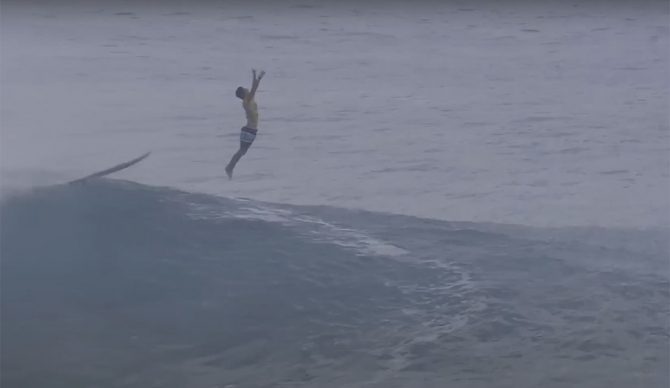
(248, 135)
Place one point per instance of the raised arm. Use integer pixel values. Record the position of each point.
(254, 84)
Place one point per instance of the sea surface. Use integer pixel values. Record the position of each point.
(460, 194)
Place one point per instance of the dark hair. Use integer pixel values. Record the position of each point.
(239, 92)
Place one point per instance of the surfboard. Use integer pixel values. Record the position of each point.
(111, 170)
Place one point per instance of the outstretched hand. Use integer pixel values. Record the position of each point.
(259, 76)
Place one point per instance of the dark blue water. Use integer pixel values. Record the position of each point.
(115, 284)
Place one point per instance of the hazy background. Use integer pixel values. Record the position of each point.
(545, 114)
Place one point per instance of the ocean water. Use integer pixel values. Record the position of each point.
(545, 114)
(117, 284)
(440, 195)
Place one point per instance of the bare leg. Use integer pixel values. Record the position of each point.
(234, 160)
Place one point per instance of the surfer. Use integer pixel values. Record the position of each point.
(248, 132)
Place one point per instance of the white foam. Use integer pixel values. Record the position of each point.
(351, 238)
(316, 228)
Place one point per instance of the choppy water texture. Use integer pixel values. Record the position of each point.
(508, 163)
(113, 284)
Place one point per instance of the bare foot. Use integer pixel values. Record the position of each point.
(229, 172)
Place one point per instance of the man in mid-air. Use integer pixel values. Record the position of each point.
(248, 133)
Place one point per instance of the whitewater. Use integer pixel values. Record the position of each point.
(440, 195)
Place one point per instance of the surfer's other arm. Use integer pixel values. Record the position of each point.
(256, 80)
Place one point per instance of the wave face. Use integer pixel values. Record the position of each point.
(115, 284)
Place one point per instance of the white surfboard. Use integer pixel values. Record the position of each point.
(110, 170)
